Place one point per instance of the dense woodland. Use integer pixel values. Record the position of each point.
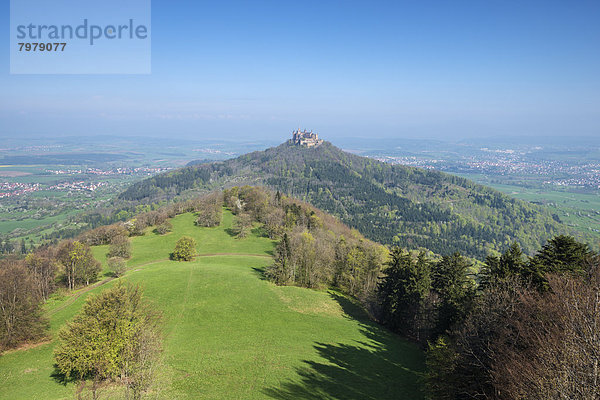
(528, 330)
(524, 327)
(390, 204)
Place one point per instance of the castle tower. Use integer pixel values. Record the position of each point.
(306, 138)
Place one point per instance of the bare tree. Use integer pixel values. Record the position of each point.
(43, 268)
(20, 301)
(552, 349)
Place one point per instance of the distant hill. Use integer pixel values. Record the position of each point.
(391, 204)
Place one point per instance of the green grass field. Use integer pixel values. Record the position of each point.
(230, 334)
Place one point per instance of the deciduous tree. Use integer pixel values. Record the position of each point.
(80, 266)
(164, 228)
(43, 268)
(117, 266)
(20, 302)
(120, 246)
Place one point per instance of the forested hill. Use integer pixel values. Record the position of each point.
(391, 204)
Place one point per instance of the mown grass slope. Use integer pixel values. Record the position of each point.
(230, 334)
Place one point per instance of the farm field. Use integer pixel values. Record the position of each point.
(229, 333)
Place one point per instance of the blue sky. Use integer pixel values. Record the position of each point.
(446, 69)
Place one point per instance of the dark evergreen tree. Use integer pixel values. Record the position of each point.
(511, 263)
(280, 271)
(562, 254)
(456, 291)
(403, 292)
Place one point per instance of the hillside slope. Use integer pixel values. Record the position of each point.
(229, 333)
(391, 204)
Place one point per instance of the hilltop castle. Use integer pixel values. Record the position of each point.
(305, 138)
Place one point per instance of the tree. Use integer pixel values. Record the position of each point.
(306, 259)
(119, 247)
(441, 378)
(134, 227)
(164, 228)
(281, 272)
(526, 335)
(78, 262)
(511, 263)
(117, 266)
(550, 348)
(242, 225)
(274, 223)
(42, 266)
(376, 257)
(102, 234)
(454, 288)
(20, 305)
(185, 249)
(562, 254)
(403, 293)
(116, 335)
(477, 341)
(210, 210)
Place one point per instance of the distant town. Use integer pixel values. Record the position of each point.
(508, 162)
(115, 171)
(16, 189)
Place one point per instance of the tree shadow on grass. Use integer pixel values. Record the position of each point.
(260, 272)
(260, 231)
(231, 232)
(382, 366)
(61, 378)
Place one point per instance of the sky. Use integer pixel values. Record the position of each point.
(389, 69)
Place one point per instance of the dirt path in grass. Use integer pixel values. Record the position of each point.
(77, 295)
(74, 296)
(183, 303)
(26, 346)
(233, 254)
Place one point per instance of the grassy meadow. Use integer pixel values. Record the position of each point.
(230, 334)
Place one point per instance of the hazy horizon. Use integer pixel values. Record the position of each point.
(354, 69)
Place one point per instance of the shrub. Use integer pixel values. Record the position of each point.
(185, 249)
(116, 335)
